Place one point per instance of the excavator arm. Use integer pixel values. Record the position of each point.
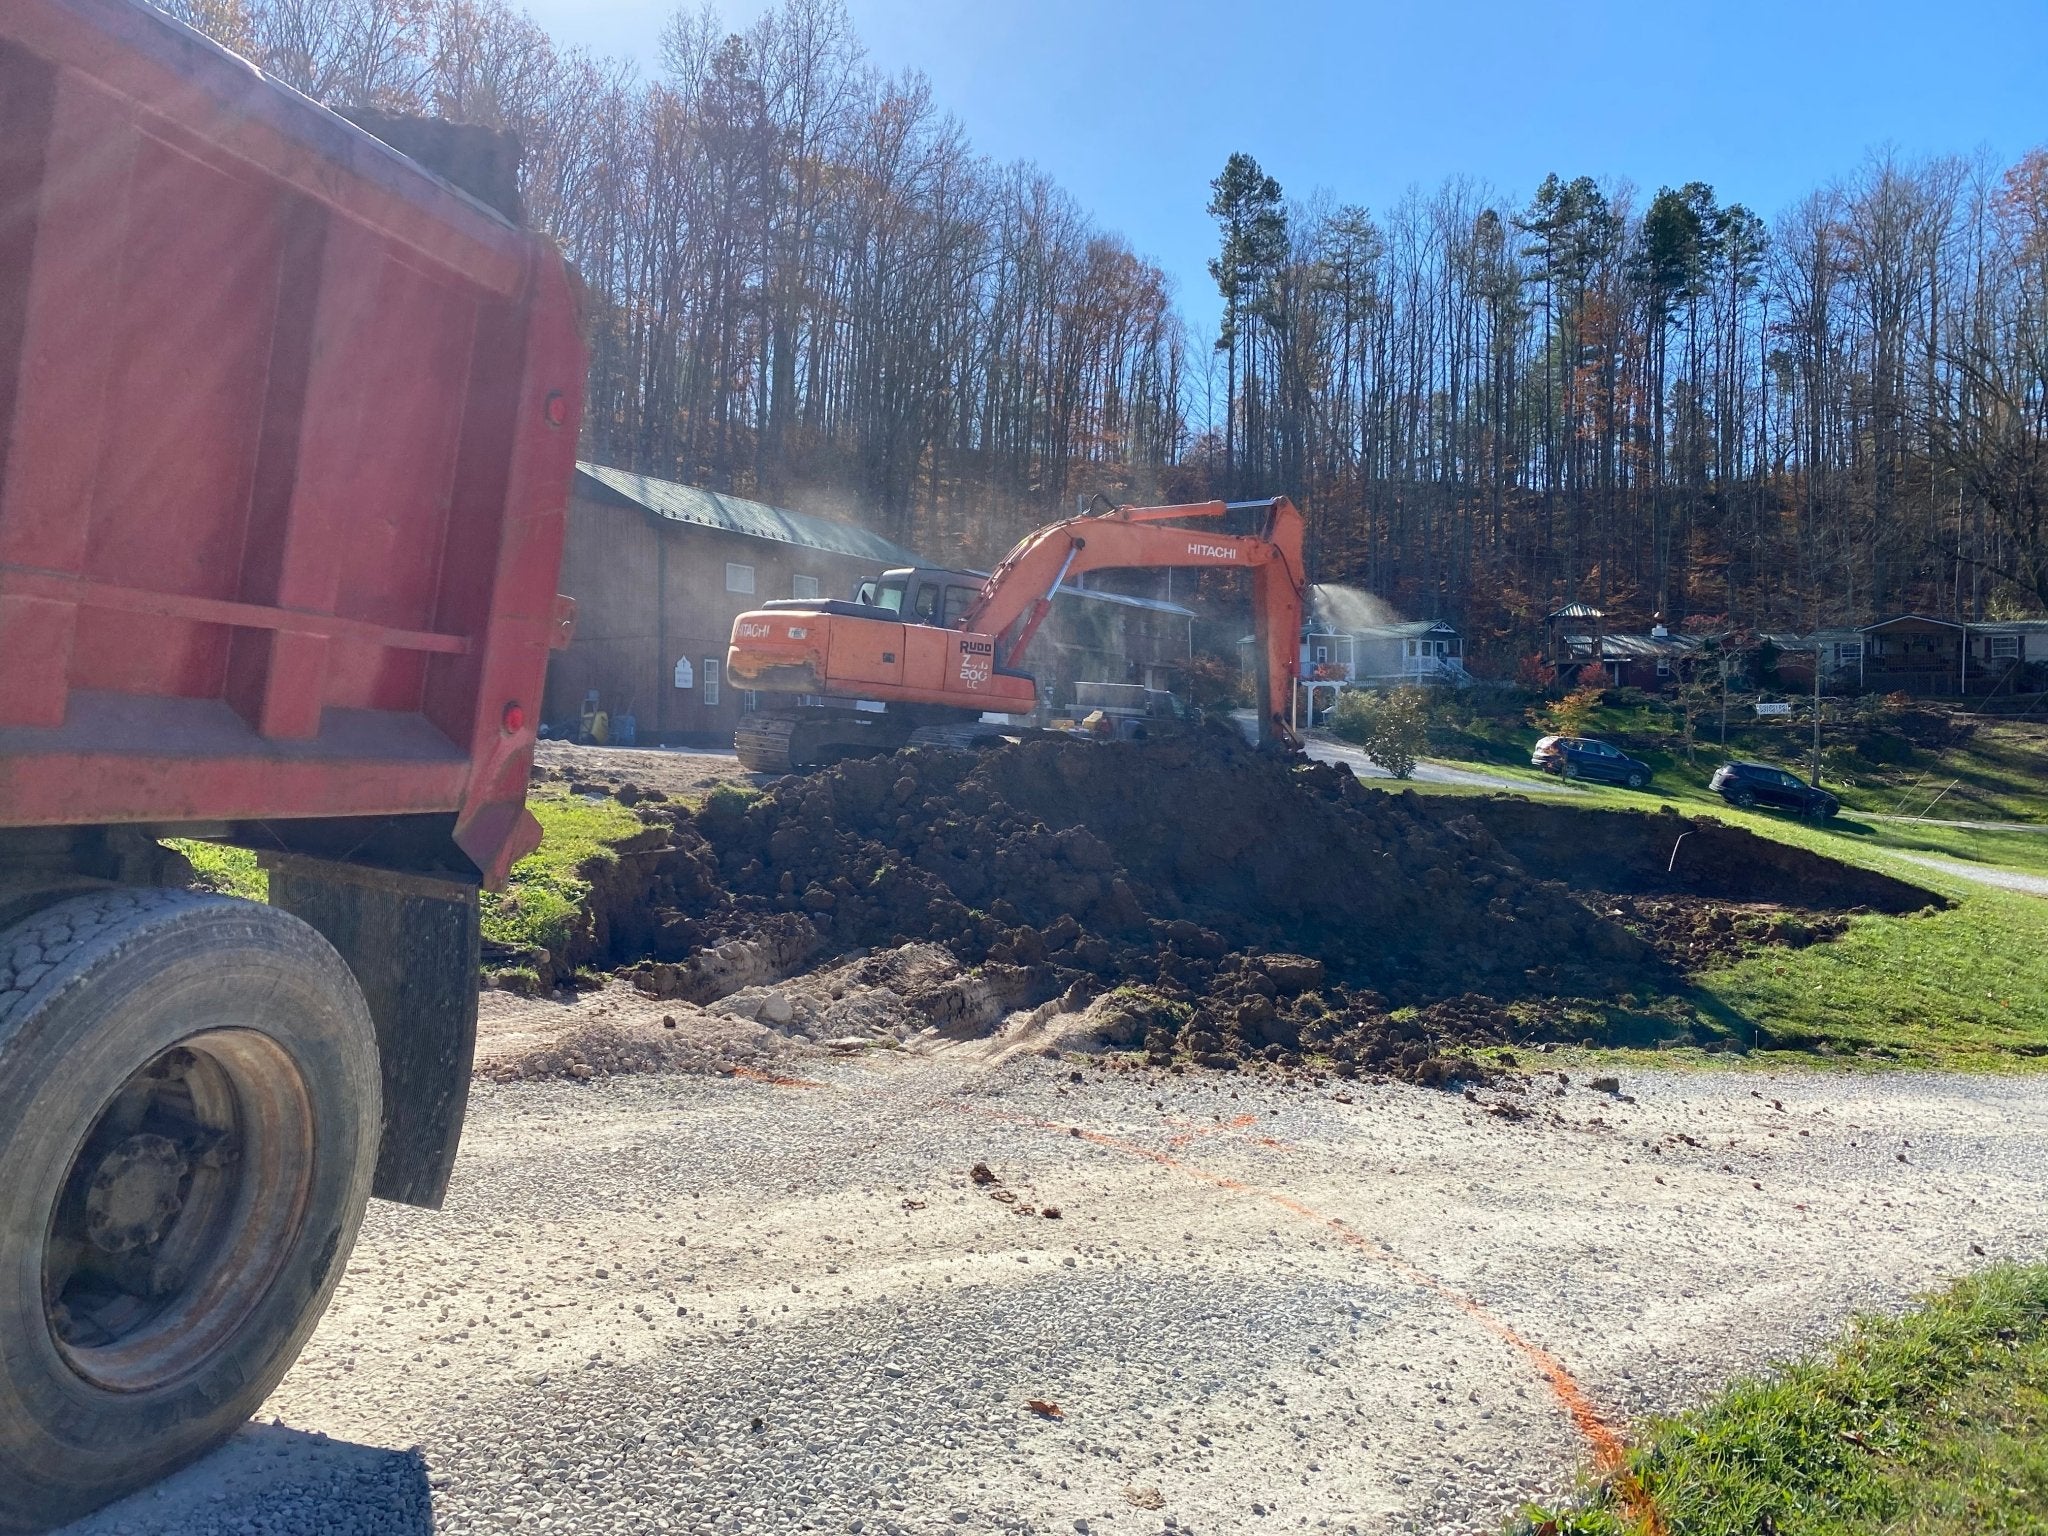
(1018, 593)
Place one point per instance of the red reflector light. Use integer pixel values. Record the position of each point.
(515, 719)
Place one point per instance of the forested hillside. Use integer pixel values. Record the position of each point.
(1654, 401)
(807, 286)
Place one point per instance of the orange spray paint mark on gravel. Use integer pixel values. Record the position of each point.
(774, 1079)
(1601, 1437)
(1187, 1131)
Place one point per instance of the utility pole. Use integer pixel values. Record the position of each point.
(1815, 776)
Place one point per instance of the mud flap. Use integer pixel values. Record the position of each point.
(413, 942)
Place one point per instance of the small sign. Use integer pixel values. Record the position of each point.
(977, 660)
(685, 677)
(1774, 709)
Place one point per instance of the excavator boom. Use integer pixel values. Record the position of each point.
(938, 665)
(1018, 593)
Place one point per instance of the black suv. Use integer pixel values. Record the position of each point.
(1581, 757)
(1747, 784)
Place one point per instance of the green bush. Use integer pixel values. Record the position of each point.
(1392, 727)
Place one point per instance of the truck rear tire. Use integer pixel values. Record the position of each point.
(189, 1117)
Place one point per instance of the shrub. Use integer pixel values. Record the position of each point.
(1351, 717)
(1214, 683)
(1570, 715)
(1392, 727)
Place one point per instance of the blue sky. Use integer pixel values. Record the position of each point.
(1134, 106)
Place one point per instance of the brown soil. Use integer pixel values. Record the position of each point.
(1698, 891)
(1666, 853)
(1226, 905)
(650, 775)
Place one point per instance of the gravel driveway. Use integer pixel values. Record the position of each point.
(701, 1304)
(2004, 879)
(1430, 772)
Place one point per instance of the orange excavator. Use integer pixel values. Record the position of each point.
(921, 655)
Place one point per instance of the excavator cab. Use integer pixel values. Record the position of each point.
(924, 594)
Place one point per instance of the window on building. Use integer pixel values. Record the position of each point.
(1663, 666)
(1849, 653)
(712, 672)
(738, 578)
(2005, 647)
(1322, 654)
(803, 586)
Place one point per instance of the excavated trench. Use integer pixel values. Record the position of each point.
(1231, 905)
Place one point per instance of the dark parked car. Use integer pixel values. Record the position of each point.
(1747, 784)
(1581, 757)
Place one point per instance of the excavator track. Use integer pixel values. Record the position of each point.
(811, 738)
(799, 740)
(762, 743)
(964, 737)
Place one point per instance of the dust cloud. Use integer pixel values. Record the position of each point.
(1339, 608)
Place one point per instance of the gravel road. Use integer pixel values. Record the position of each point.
(703, 1304)
(2004, 879)
(1428, 771)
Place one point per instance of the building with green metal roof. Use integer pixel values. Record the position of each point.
(659, 571)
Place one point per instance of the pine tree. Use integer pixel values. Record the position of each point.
(1246, 204)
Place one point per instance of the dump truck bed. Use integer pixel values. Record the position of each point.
(286, 429)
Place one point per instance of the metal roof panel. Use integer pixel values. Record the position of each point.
(749, 519)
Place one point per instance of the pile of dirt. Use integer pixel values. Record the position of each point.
(1669, 854)
(1232, 905)
(1246, 906)
(1699, 891)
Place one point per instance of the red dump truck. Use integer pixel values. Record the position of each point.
(286, 430)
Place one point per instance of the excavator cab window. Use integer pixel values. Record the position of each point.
(957, 601)
(927, 603)
(889, 596)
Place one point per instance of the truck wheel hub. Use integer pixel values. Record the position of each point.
(180, 1206)
(136, 1194)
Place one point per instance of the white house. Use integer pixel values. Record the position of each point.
(1386, 655)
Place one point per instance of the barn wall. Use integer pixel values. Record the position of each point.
(650, 591)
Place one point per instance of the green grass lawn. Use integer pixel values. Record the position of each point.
(2019, 849)
(539, 901)
(545, 890)
(542, 892)
(1930, 1424)
(1963, 989)
(1966, 988)
(217, 867)
(1999, 774)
